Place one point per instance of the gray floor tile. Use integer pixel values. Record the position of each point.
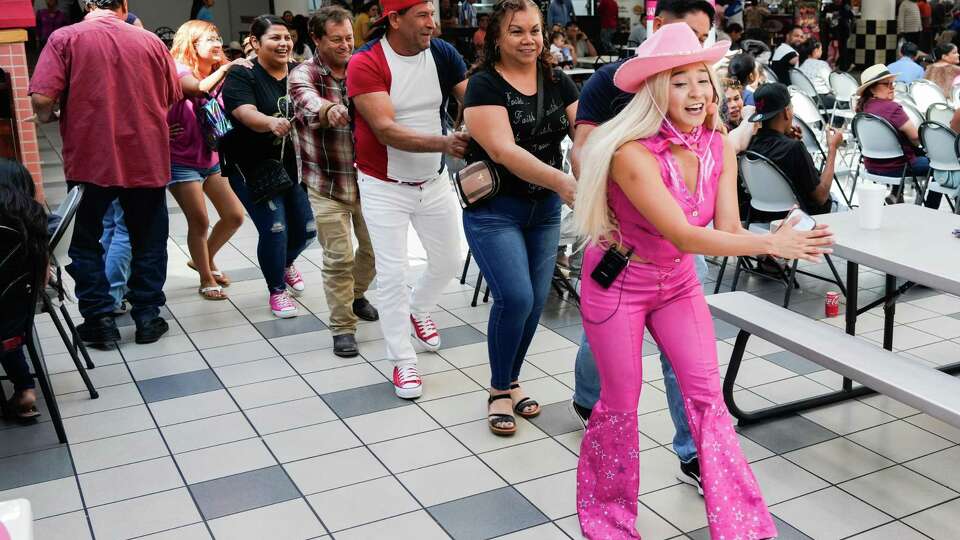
(107, 424)
(572, 332)
(290, 415)
(290, 520)
(794, 362)
(555, 419)
(271, 392)
(383, 498)
(128, 481)
(144, 515)
(290, 327)
(195, 407)
(35, 467)
(72, 526)
(179, 385)
(225, 460)
(468, 518)
(785, 530)
(460, 335)
(48, 498)
(242, 492)
(787, 434)
(237, 353)
(30, 438)
(207, 432)
(245, 274)
(364, 400)
(116, 451)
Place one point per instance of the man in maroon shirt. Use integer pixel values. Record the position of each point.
(113, 83)
(608, 11)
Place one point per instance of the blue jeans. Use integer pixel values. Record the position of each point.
(587, 387)
(145, 213)
(286, 227)
(15, 365)
(117, 255)
(514, 241)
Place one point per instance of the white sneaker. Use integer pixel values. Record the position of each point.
(425, 331)
(406, 381)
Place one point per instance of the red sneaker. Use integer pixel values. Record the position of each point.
(425, 330)
(406, 381)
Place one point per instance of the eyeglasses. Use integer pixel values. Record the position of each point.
(212, 39)
(888, 84)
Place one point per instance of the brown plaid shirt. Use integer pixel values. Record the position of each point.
(324, 154)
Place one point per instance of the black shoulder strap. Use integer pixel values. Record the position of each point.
(540, 92)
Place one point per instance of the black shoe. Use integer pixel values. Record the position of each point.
(102, 329)
(345, 346)
(580, 412)
(363, 309)
(151, 331)
(690, 474)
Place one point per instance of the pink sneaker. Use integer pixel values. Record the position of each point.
(425, 330)
(293, 279)
(282, 305)
(406, 381)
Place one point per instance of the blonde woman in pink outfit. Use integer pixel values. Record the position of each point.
(654, 177)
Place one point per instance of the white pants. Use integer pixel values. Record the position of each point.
(388, 209)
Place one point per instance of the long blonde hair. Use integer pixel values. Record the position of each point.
(184, 48)
(640, 119)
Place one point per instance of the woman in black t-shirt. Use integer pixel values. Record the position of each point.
(256, 100)
(514, 235)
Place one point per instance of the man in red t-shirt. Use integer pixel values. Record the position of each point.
(608, 10)
(113, 83)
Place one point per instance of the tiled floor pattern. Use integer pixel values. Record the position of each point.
(236, 426)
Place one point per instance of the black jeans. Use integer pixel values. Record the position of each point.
(15, 365)
(145, 212)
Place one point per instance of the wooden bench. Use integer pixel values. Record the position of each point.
(878, 370)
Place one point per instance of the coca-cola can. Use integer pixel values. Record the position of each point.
(832, 305)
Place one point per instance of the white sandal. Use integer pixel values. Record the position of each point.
(205, 292)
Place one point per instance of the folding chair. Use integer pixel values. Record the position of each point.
(844, 88)
(913, 113)
(814, 148)
(770, 191)
(18, 298)
(877, 139)
(940, 112)
(59, 247)
(901, 87)
(802, 83)
(769, 74)
(806, 109)
(925, 94)
(955, 95)
(940, 142)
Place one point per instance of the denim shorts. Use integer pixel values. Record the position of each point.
(185, 173)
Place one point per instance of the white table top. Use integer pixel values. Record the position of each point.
(579, 72)
(590, 61)
(912, 243)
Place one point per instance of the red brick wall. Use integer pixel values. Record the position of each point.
(13, 60)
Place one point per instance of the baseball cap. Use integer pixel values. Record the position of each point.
(393, 6)
(770, 99)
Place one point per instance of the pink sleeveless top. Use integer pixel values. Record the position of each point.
(637, 232)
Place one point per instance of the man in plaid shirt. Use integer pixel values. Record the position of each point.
(325, 156)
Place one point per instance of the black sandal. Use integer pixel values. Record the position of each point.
(19, 412)
(496, 418)
(524, 404)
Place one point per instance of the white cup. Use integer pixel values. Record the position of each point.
(871, 204)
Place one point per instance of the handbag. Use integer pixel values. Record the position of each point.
(480, 181)
(214, 122)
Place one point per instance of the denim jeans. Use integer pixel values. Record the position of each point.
(145, 214)
(116, 246)
(514, 241)
(286, 228)
(15, 365)
(919, 167)
(587, 387)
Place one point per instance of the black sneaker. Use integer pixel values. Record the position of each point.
(363, 309)
(345, 346)
(151, 331)
(690, 474)
(581, 413)
(102, 329)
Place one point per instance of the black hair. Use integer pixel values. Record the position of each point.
(942, 50)
(491, 51)
(682, 8)
(805, 49)
(741, 67)
(733, 27)
(556, 35)
(261, 24)
(303, 33)
(908, 49)
(19, 211)
(334, 14)
(571, 23)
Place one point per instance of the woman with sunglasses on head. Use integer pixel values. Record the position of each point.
(514, 235)
(652, 179)
(195, 166)
(259, 152)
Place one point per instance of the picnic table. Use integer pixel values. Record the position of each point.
(913, 243)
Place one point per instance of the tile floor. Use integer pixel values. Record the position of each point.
(237, 426)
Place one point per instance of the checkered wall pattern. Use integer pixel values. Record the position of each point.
(875, 42)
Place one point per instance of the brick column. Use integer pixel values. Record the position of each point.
(13, 60)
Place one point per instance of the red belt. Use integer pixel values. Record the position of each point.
(12, 343)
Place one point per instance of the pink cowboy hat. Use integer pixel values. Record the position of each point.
(671, 46)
